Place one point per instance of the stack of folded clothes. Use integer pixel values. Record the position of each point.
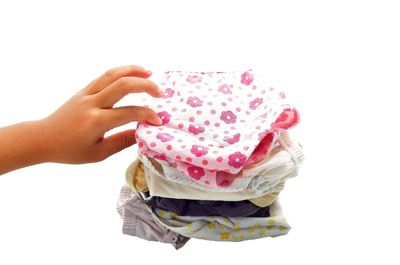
(216, 166)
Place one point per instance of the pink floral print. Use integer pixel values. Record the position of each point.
(169, 92)
(232, 139)
(196, 129)
(164, 116)
(237, 159)
(194, 102)
(199, 150)
(247, 78)
(196, 172)
(255, 103)
(214, 124)
(193, 79)
(224, 89)
(228, 117)
(164, 137)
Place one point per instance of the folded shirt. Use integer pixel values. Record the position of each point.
(214, 121)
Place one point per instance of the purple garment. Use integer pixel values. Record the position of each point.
(138, 221)
(184, 207)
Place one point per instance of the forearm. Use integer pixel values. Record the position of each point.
(21, 145)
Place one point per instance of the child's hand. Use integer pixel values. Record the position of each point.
(75, 132)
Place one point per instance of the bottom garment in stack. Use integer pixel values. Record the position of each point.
(175, 221)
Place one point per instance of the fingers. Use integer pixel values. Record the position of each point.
(123, 86)
(113, 75)
(115, 143)
(123, 115)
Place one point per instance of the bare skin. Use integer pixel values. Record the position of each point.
(74, 133)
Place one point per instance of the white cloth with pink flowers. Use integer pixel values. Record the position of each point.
(214, 123)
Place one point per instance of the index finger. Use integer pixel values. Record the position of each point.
(113, 75)
(125, 85)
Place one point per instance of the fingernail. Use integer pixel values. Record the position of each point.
(160, 91)
(149, 72)
(156, 120)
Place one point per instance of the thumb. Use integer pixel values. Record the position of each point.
(117, 142)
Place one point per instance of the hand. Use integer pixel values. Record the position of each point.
(75, 132)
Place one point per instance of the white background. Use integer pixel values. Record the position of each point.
(339, 62)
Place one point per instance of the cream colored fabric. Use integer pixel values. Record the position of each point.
(265, 200)
(158, 186)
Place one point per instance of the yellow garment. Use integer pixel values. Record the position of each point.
(265, 200)
(135, 176)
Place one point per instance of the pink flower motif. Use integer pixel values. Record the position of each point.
(169, 92)
(232, 139)
(164, 116)
(228, 117)
(196, 172)
(224, 89)
(237, 159)
(194, 102)
(164, 137)
(255, 103)
(193, 79)
(247, 78)
(199, 150)
(195, 129)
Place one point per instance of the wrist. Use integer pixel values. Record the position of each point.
(22, 145)
(41, 142)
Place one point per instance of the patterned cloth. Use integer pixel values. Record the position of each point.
(282, 162)
(214, 122)
(219, 228)
(215, 168)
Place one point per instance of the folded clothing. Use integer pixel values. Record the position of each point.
(214, 121)
(282, 162)
(158, 186)
(215, 168)
(170, 227)
(225, 228)
(208, 208)
(138, 221)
